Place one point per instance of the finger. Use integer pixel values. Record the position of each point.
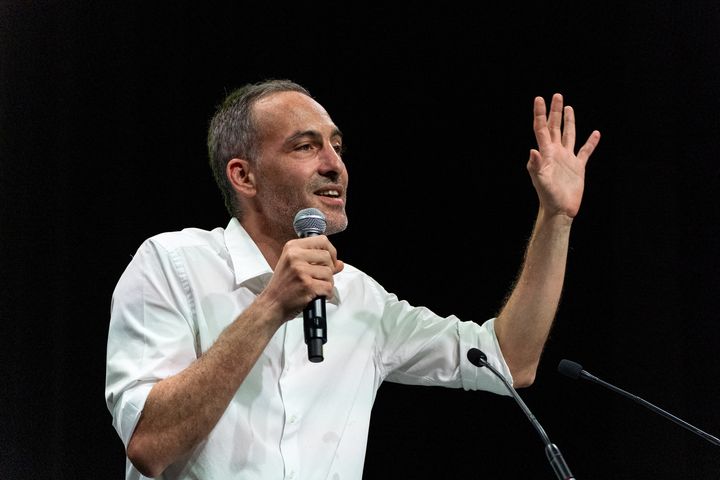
(569, 128)
(321, 281)
(542, 135)
(533, 164)
(319, 257)
(555, 118)
(317, 242)
(589, 147)
(321, 272)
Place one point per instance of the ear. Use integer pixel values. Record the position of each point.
(241, 177)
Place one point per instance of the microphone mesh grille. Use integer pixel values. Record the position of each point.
(309, 221)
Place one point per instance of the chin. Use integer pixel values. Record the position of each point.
(336, 225)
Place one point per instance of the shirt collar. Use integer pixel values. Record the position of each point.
(247, 261)
(249, 264)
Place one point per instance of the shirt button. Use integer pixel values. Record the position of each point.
(291, 475)
(293, 418)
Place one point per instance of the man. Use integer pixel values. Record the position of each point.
(207, 372)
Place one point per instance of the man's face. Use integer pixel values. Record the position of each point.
(299, 165)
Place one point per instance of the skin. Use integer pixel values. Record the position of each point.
(558, 176)
(300, 160)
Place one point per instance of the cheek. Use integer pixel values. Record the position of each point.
(284, 188)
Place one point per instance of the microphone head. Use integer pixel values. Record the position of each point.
(477, 357)
(570, 368)
(308, 222)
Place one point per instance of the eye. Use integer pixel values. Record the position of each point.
(339, 148)
(304, 147)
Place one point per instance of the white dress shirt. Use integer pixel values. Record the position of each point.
(290, 418)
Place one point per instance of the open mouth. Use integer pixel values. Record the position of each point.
(328, 193)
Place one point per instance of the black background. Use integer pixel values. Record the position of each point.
(103, 120)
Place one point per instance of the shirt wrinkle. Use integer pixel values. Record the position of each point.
(184, 281)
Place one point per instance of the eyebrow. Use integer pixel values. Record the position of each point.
(314, 134)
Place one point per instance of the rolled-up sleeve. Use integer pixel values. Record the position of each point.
(483, 338)
(150, 334)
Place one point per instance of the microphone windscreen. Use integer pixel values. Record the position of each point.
(570, 368)
(309, 221)
(477, 357)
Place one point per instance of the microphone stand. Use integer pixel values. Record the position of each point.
(557, 462)
(574, 370)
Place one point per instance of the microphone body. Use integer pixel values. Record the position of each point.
(575, 371)
(310, 222)
(557, 462)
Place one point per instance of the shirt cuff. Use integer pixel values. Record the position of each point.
(128, 409)
(482, 337)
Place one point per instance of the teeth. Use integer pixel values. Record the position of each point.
(329, 193)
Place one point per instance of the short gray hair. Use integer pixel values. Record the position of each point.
(233, 131)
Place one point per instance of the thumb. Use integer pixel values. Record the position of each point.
(533, 163)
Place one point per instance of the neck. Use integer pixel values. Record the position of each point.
(270, 243)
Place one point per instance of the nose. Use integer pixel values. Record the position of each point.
(332, 163)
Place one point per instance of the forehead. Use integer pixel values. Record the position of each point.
(284, 113)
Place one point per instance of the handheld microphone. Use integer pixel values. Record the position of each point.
(479, 359)
(575, 371)
(308, 223)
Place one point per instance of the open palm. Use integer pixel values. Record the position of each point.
(557, 173)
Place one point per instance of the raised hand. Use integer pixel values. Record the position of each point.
(557, 173)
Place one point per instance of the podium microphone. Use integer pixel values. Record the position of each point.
(575, 371)
(310, 222)
(479, 359)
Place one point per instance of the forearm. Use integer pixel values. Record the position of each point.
(181, 410)
(523, 325)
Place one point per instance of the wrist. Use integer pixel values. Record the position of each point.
(557, 219)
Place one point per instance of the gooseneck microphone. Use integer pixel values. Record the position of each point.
(308, 223)
(479, 359)
(575, 371)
